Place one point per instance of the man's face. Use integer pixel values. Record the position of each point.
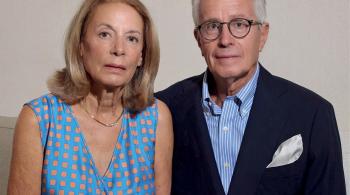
(231, 58)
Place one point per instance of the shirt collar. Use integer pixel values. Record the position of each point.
(244, 97)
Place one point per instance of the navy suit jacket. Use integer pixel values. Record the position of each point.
(280, 110)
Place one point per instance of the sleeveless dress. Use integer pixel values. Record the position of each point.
(68, 166)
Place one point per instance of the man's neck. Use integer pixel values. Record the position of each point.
(220, 88)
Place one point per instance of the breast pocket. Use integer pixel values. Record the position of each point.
(285, 179)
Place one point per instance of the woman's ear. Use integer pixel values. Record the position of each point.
(81, 49)
(139, 63)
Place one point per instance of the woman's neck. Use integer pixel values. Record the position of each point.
(104, 103)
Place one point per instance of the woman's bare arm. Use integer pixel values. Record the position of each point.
(163, 150)
(27, 155)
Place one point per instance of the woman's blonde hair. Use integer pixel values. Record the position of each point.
(72, 83)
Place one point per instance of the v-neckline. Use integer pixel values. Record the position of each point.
(86, 147)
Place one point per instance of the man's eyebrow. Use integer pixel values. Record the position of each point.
(238, 16)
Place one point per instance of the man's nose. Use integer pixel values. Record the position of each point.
(225, 38)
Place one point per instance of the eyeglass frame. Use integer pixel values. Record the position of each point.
(250, 22)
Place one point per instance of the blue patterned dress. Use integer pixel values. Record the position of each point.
(68, 167)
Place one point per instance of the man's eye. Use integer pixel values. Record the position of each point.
(213, 26)
(240, 24)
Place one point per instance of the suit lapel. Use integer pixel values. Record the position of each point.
(260, 137)
(198, 130)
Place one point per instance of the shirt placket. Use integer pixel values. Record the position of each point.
(225, 132)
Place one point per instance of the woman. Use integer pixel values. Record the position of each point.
(99, 131)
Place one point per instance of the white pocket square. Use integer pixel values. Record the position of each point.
(288, 152)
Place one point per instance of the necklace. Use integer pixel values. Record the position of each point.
(116, 122)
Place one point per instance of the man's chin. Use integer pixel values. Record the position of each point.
(228, 61)
(232, 75)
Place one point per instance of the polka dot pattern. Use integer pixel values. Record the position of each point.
(68, 167)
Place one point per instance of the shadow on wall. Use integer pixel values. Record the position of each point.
(7, 125)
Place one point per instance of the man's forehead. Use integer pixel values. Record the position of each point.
(225, 9)
(225, 3)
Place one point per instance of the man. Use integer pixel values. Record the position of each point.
(240, 130)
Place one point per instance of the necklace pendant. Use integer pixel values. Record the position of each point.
(108, 124)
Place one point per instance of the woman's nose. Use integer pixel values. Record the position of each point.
(117, 48)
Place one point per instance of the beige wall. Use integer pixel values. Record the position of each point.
(6, 133)
(309, 44)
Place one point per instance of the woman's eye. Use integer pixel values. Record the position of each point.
(103, 34)
(133, 39)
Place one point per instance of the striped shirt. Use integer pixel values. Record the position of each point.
(226, 125)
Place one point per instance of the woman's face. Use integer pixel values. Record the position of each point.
(112, 45)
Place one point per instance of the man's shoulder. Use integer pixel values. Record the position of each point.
(181, 88)
(298, 93)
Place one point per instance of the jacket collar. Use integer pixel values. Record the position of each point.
(260, 135)
(260, 138)
(195, 124)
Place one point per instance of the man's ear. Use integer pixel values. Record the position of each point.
(265, 28)
(196, 36)
(198, 39)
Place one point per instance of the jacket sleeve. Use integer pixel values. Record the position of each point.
(325, 173)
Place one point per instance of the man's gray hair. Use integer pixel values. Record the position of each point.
(260, 10)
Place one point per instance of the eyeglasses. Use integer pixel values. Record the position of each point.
(238, 27)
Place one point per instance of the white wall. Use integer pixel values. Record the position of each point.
(309, 44)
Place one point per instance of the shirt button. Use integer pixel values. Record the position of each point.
(225, 128)
(226, 165)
